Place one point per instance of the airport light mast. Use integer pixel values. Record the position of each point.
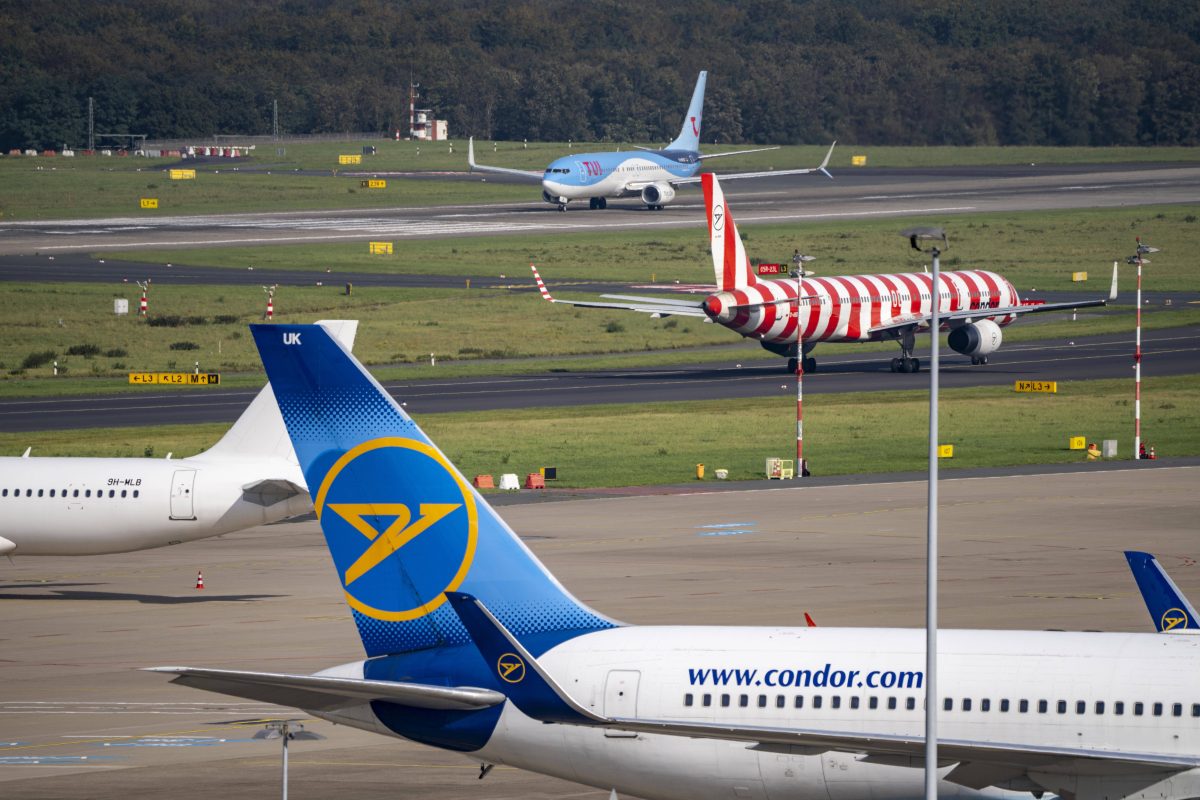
(915, 236)
(286, 729)
(799, 273)
(1136, 258)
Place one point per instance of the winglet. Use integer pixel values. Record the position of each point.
(1169, 609)
(471, 152)
(821, 169)
(541, 286)
(517, 673)
(1112, 292)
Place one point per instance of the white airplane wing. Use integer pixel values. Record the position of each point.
(528, 175)
(325, 693)
(660, 306)
(984, 313)
(768, 173)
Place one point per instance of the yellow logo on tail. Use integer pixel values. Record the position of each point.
(511, 668)
(1174, 618)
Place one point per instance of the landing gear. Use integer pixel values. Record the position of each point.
(654, 207)
(978, 360)
(562, 206)
(906, 362)
(598, 203)
(810, 365)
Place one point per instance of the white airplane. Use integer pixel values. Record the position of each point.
(473, 646)
(652, 175)
(88, 506)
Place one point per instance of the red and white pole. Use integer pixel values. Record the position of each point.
(270, 307)
(143, 306)
(1137, 363)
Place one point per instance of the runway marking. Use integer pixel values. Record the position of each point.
(727, 529)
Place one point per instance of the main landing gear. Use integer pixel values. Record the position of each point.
(598, 202)
(978, 360)
(562, 206)
(810, 365)
(906, 362)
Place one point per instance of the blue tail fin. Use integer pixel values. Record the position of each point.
(1168, 608)
(689, 133)
(402, 523)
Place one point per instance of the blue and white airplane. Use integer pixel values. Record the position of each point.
(1169, 609)
(473, 646)
(652, 175)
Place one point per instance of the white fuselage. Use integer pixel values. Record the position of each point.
(88, 506)
(1132, 693)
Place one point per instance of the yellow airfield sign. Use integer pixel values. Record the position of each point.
(1036, 386)
(381, 248)
(175, 378)
(183, 174)
(149, 202)
(351, 159)
(373, 183)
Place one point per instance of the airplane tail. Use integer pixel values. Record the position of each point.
(259, 432)
(403, 525)
(1168, 608)
(730, 263)
(689, 133)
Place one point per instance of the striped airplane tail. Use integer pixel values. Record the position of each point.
(730, 262)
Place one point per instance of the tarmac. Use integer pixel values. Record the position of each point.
(78, 720)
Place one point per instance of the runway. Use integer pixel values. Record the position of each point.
(1173, 351)
(77, 718)
(854, 194)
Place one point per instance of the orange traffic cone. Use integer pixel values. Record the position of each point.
(199, 580)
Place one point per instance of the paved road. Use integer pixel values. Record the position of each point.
(855, 194)
(1166, 352)
(78, 720)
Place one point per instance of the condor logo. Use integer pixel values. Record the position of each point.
(401, 541)
(291, 338)
(1174, 618)
(718, 215)
(510, 668)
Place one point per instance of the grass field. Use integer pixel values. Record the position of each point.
(1035, 250)
(58, 188)
(845, 434)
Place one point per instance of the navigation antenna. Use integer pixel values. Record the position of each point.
(916, 237)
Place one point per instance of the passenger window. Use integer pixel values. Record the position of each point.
(1023, 706)
(1080, 707)
(1196, 709)
(112, 492)
(966, 704)
(41, 492)
(1119, 708)
(123, 492)
(135, 493)
(3, 492)
(1061, 706)
(687, 699)
(911, 703)
(52, 493)
(29, 492)
(891, 704)
(985, 705)
(744, 700)
(707, 700)
(780, 701)
(854, 701)
(873, 702)
(1043, 706)
(835, 701)
(1004, 706)
(816, 701)
(724, 701)
(75, 493)
(1099, 706)
(1177, 709)
(1158, 709)
(799, 701)
(947, 704)
(762, 701)
(1138, 709)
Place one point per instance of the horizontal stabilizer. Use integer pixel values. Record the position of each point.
(324, 693)
(661, 306)
(525, 175)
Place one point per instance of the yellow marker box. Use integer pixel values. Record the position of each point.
(1078, 277)
(945, 451)
(381, 248)
(373, 183)
(149, 202)
(353, 159)
(183, 174)
(858, 161)
(1077, 443)
(175, 378)
(1036, 386)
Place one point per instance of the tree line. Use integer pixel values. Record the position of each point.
(878, 72)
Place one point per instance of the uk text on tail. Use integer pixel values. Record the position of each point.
(402, 523)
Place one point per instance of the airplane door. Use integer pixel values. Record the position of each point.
(620, 698)
(182, 484)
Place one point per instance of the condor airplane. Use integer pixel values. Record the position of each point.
(974, 304)
(652, 175)
(473, 646)
(89, 506)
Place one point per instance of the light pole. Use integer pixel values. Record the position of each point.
(1136, 258)
(916, 235)
(286, 729)
(799, 273)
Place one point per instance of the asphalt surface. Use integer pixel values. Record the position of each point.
(1174, 351)
(78, 720)
(854, 194)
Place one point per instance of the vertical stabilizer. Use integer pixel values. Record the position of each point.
(689, 133)
(259, 432)
(1169, 609)
(730, 263)
(402, 523)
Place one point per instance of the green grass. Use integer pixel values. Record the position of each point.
(57, 188)
(647, 444)
(1035, 250)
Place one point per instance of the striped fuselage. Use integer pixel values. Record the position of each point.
(848, 308)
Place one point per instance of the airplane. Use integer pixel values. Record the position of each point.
(65, 506)
(975, 304)
(473, 646)
(1169, 609)
(652, 175)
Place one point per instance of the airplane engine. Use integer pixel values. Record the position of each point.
(977, 339)
(658, 194)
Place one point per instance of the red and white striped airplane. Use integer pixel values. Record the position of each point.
(974, 304)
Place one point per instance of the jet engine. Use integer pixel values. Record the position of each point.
(658, 194)
(976, 339)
